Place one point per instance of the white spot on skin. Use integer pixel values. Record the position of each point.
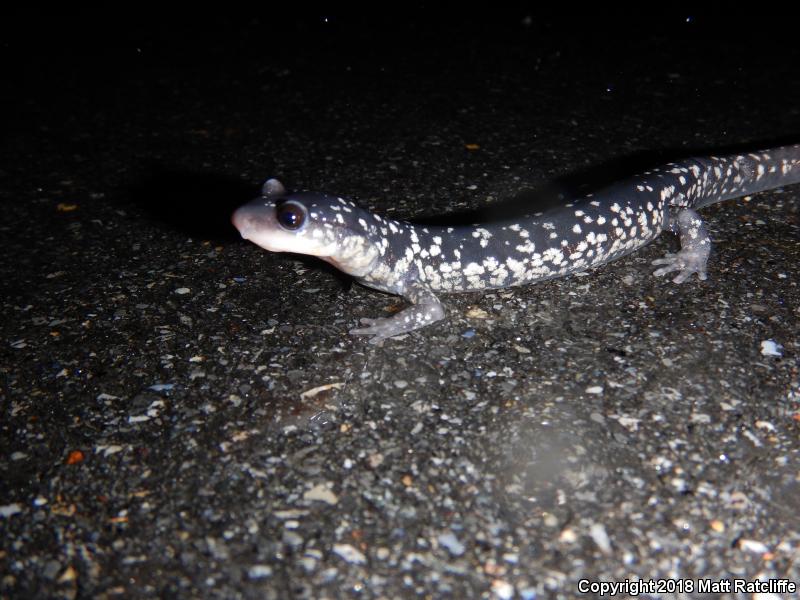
(473, 269)
(553, 255)
(527, 248)
(517, 268)
(475, 282)
(490, 263)
(499, 278)
(576, 228)
(484, 234)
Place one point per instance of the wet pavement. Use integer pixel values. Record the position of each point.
(184, 415)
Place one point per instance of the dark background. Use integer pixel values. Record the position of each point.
(88, 87)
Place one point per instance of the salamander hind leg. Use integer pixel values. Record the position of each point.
(695, 248)
(425, 309)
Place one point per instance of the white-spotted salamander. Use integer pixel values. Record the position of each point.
(419, 262)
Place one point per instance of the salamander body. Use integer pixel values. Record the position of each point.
(419, 262)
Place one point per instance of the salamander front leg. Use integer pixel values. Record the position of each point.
(425, 309)
(695, 248)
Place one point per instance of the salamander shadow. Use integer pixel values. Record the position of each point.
(197, 204)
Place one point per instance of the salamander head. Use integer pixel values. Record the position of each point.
(328, 227)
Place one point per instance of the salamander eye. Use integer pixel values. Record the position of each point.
(291, 215)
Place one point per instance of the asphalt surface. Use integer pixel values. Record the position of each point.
(184, 415)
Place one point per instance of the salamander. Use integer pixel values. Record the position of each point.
(419, 262)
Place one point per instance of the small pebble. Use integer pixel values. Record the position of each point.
(349, 554)
(771, 348)
(598, 533)
(321, 493)
(451, 543)
(259, 571)
(8, 510)
(753, 546)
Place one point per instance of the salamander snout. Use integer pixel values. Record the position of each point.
(248, 219)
